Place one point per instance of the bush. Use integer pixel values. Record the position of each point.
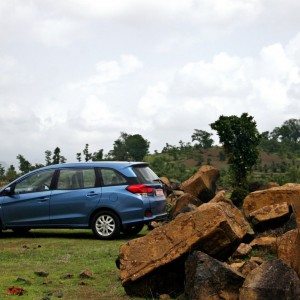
(238, 195)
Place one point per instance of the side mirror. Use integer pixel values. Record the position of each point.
(7, 191)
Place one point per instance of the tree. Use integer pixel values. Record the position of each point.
(48, 155)
(137, 147)
(56, 156)
(24, 165)
(2, 172)
(240, 139)
(11, 173)
(78, 156)
(87, 155)
(129, 147)
(203, 138)
(98, 155)
(288, 133)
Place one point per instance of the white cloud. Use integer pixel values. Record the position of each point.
(56, 32)
(65, 80)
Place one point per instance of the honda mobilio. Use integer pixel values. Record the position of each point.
(108, 197)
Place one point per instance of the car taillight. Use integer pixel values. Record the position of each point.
(140, 189)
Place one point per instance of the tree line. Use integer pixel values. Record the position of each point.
(239, 137)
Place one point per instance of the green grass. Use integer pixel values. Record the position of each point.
(59, 252)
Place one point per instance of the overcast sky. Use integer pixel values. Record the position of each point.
(81, 71)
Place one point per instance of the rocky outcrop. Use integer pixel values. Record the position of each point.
(242, 250)
(182, 204)
(271, 280)
(267, 243)
(288, 248)
(214, 228)
(289, 193)
(248, 267)
(202, 184)
(269, 213)
(207, 278)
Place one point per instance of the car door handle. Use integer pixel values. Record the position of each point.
(43, 199)
(91, 194)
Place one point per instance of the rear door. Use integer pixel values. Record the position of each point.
(77, 193)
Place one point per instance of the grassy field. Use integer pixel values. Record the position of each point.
(59, 253)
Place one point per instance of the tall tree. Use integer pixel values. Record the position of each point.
(56, 156)
(11, 173)
(137, 147)
(24, 165)
(129, 147)
(86, 153)
(2, 172)
(48, 155)
(78, 156)
(98, 155)
(288, 133)
(240, 139)
(203, 138)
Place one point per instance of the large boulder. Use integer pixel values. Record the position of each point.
(265, 243)
(288, 249)
(208, 278)
(182, 203)
(271, 280)
(202, 184)
(289, 193)
(269, 213)
(215, 228)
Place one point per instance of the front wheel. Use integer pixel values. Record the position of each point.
(106, 225)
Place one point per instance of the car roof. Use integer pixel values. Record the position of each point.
(107, 164)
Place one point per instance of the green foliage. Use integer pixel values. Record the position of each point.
(284, 140)
(11, 173)
(129, 147)
(289, 132)
(203, 139)
(2, 172)
(87, 155)
(24, 165)
(240, 139)
(163, 165)
(78, 156)
(98, 155)
(48, 155)
(57, 158)
(222, 156)
(238, 195)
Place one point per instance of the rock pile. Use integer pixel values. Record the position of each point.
(209, 249)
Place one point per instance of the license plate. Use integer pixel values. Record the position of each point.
(159, 192)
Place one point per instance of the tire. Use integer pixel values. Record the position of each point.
(106, 225)
(133, 230)
(21, 230)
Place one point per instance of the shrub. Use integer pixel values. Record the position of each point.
(238, 195)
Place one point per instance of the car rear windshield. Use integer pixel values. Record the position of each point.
(145, 174)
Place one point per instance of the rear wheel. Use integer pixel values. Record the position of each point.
(106, 225)
(133, 230)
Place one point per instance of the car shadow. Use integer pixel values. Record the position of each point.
(62, 234)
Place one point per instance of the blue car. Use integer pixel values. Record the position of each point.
(108, 197)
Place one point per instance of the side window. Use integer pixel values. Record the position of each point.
(112, 177)
(72, 179)
(37, 182)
